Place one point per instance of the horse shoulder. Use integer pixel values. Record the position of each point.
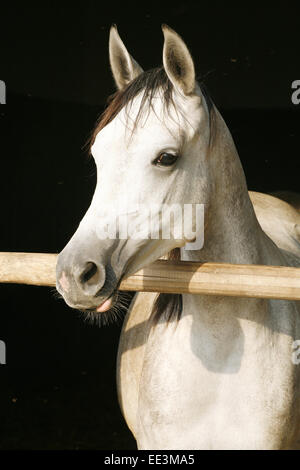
(132, 345)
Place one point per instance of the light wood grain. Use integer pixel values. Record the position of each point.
(276, 282)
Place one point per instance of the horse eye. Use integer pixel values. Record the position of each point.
(165, 159)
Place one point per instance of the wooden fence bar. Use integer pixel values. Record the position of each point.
(277, 282)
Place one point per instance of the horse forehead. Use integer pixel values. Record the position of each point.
(136, 122)
(121, 134)
(105, 139)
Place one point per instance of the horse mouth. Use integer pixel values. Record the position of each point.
(110, 301)
(107, 304)
(104, 306)
(110, 311)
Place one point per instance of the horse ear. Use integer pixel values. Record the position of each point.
(178, 62)
(123, 66)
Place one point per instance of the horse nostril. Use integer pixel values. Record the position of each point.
(90, 277)
(90, 273)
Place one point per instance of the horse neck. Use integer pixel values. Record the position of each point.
(232, 232)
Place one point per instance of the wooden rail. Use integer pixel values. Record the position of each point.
(277, 282)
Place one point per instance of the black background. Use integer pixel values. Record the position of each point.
(57, 390)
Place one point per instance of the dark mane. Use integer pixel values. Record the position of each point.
(167, 307)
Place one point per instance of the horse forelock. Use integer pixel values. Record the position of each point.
(149, 84)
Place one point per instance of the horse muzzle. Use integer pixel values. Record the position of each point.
(84, 282)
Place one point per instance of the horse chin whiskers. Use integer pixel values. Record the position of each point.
(94, 318)
(56, 294)
(114, 315)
